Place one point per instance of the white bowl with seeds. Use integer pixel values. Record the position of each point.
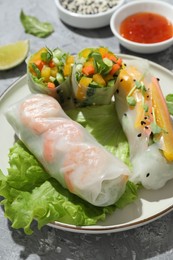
(87, 14)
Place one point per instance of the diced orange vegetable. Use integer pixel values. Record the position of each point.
(82, 87)
(108, 77)
(39, 64)
(89, 62)
(163, 119)
(103, 51)
(84, 81)
(84, 53)
(113, 58)
(99, 79)
(119, 61)
(67, 69)
(45, 73)
(37, 55)
(70, 59)
(53, 71)
(51, 85)
(88, 70)
(51, 64)
(114, 69)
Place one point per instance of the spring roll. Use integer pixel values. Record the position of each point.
(67, 151)
(94, 75)
(49, 72)
(147, 124)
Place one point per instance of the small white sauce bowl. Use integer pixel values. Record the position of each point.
(86, 21)
(152, 6)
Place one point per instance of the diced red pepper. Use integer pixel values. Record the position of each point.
(119, 61)
(51, 64)
(39, 64)
(88, 70)
(51, 85)
(114, 69)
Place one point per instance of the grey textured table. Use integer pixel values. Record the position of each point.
(152, 241)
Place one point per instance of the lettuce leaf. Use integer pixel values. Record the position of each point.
(169, 102)
(31, 194)
(33, 26)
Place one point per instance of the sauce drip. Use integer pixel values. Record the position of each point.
(146, 27)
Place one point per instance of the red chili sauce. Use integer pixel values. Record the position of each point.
(146, 27)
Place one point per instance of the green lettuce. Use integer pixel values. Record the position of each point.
(169, 102)
(31, 194)
(33, 26)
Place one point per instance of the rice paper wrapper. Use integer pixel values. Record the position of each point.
(67, 151)
(62, 93)
(91, 96)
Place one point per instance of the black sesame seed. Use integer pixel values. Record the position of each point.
(121, 80)
(158, 79)
(125, 114)
(146, 127)
(117, 91)
(139, 135)
(148, 174)
(75, 100)
(143, 123)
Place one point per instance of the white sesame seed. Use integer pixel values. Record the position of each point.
(88, 6)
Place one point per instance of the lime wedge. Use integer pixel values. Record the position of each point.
(13, 54)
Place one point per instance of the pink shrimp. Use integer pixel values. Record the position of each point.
(82, 160)
(35, 111)
(59, 137)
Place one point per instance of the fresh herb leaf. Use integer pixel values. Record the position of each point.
(46, 56)
(100, 66)
(140, 85)
(145, 107)
(131, 101)
(169, 102)
(36, 70)
(155, 128)
(33, 26)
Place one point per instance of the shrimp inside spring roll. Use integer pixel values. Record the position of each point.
(67, 151)
(147, 124)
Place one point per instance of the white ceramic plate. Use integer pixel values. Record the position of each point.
(150, 205)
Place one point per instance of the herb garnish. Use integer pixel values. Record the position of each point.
(36, 70)
(47, 56)
(169, 102)
(131, 100)
(33, 26)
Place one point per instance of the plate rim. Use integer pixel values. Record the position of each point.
(98, 229)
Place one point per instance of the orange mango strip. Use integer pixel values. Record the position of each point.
(163, 119)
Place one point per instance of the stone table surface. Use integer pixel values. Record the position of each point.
(151, 241)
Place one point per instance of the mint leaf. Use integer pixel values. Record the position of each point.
(33, 26)
(169, 102)
(131, 101)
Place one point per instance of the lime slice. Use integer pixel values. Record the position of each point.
(13, 54)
